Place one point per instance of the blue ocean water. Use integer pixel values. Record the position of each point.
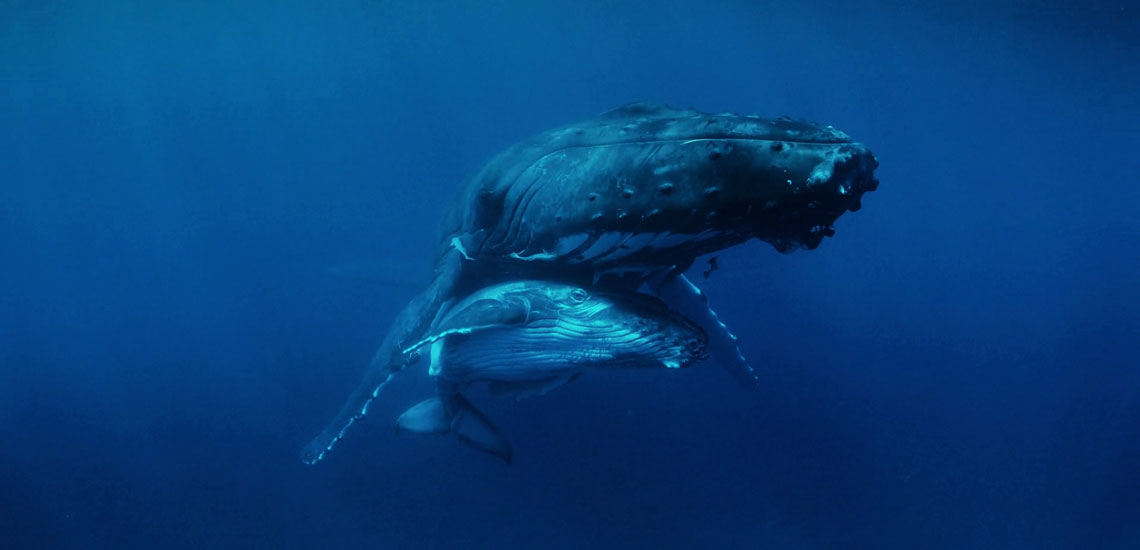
(209, 213)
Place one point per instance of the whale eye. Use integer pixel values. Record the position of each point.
(578, 295)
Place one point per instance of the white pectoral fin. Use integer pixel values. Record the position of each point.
(426, 417)
(435, 365)
(475, 430)
(685, 298)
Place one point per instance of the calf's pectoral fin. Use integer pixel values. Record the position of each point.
(685, 298)
(477, 316)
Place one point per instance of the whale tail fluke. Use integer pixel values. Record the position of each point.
(457, 416)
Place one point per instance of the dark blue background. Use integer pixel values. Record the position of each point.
(210, 212)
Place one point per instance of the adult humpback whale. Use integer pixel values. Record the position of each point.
(631, 198)
(526, 338)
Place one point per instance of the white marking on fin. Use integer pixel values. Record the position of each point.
(433, 338)
(313, 456)
(436, 364)
(537, 256)
(458, 245)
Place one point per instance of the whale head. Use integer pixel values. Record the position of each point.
(653, 183)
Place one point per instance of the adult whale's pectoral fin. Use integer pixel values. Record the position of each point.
(426, 417)
(475, 430)
(520, 389)
(685, 298)
(410, 324)
(379, 373)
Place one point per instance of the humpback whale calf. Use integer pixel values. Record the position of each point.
(526, 338)
(624, 202)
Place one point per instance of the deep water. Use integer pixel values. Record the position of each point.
(209, 213)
